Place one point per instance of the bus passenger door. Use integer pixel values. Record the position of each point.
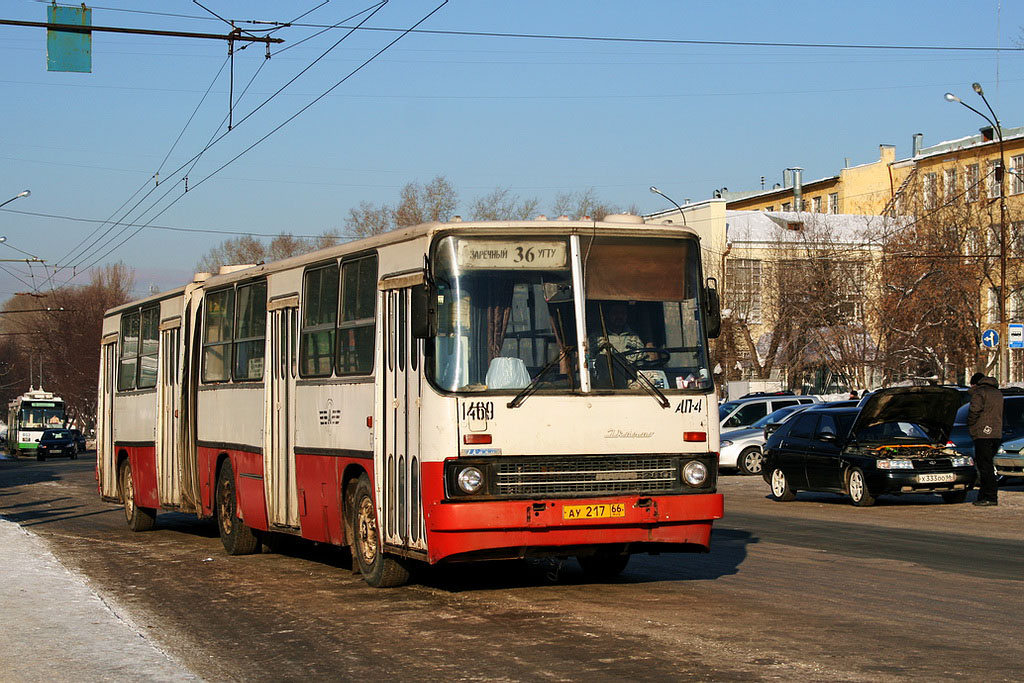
(397, 465)
(279, 417)
(169, 403)
(105, 419)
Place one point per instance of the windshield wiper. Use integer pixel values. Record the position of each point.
(630, 370)
(530, 388)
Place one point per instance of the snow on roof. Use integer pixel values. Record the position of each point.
(966, 142)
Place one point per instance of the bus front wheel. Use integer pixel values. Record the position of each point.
(236, 536)
(379, 569)
(138, 518)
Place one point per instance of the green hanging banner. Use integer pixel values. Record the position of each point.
(69, 50)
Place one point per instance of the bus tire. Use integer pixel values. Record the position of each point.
(378, 568)
(138, 518)
(235, 535)
(603, 564)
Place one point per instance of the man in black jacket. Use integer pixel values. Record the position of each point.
(985, 425)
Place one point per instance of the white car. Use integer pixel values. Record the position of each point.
(741, 448)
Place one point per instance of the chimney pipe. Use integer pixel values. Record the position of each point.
(918, 139)
(786, 177)
(798, 187)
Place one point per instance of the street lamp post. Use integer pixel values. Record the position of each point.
(23, 193)
(1000, 171)
(656, 191)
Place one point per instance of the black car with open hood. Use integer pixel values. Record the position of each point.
(893, 443)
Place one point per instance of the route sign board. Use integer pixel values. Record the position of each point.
(990, 339)
(1015, 336)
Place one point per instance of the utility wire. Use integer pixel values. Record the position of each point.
(286, 121)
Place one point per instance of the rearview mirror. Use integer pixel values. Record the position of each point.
(424, 311)
(712, 309)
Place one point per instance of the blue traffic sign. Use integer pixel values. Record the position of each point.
(990, 339)
(1015, 336)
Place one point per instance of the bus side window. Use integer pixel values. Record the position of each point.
(128, 366)
(319, 317)
(218, 316)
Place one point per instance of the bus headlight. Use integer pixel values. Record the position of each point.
(695, 473)
(470, 479)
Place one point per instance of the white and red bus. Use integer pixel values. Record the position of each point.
(443, 393)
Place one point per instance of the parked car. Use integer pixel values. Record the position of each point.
(1013, 423)
(1009, 460)
(741, 448)
(772, 425)
(745, 411)
(56, 442)
(894, 443)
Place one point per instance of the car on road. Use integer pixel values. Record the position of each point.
(1009, 460)
(79, 438)
(741, 448)
(894, 443)
(1013, 423)
(747, 410)
(56, 442)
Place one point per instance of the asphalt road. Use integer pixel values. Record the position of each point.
(814, 589)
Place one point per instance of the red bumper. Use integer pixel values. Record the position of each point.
(522, 527)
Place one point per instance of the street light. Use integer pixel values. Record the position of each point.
(1000, 173)
(655, 190)
(23, 193)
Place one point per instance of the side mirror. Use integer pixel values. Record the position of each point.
(424, 312)
(712, 309)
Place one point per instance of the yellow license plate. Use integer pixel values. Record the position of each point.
(594, 511)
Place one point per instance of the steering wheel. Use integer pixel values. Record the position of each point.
(644, 361)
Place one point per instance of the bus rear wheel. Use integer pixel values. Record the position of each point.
(138, 518)
(379, 569)
(235, 535)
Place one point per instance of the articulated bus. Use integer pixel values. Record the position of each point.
(27, 416)
(448, 392)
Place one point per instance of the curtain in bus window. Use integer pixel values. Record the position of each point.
(319, 317)
(498, 311)
(356, 327)
(129, 362)
(250, 331)
(149, 349)
(218, 316)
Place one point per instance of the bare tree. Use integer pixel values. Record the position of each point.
(366, 220)
(247, 249)
(502, 205)
(435, 201)
(60, 333)
(586, 204)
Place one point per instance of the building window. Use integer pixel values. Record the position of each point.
(743, 281)
(1016, 305)
(833, 202)
(250, 331)
(816, 203)
(770, 208)
(928, 191)
(319, 320)
(358, 305)
(993, 304)
(991, 170)
(1017, 174)
(787, 206)
(949, 185)
(971, 181)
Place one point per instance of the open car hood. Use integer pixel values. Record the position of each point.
(933, 408)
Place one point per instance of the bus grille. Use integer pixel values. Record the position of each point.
(586, 476)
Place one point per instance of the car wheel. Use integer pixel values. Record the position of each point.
(780, 486)
(138, 518)
(954, 497)
(378, 568)
(603, 564)
(750, 461)
(235, 535)
(858, 488)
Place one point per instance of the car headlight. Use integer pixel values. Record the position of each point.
(695, 473)
(895, 464)
(470, 479)
(962, 461)
(724, 444)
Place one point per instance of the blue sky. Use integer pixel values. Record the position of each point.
(539, 116)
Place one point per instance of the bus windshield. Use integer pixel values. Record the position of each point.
(37, 417)
(507, 314)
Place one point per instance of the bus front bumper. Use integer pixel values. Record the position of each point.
(525, 528)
